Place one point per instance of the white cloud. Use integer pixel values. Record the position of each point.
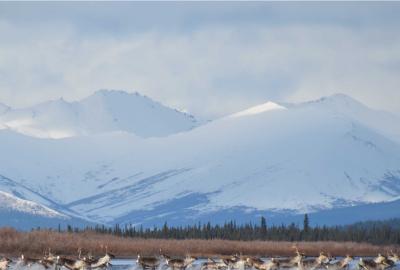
(210, 71)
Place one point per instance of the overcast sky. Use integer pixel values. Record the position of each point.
(210, 59)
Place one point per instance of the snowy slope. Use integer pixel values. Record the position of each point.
(104, 111)
(22, 192)
(12, 203)
(272, 158)
(24, 214)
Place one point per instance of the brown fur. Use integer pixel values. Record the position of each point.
(149, 262)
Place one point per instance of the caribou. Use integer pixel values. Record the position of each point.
(233, 262)
(340, 265)
(393, 257)
(148, 262)
(102, 262)
(379, 263)
(79, 264)
(291, 262)
(5, 263)
(319, 262)
(259, 264)
(178, 262)
(26, 261)
(209, 265)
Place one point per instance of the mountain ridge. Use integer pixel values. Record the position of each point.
(274, 159)
(102, 112)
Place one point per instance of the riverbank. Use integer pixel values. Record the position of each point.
(14, 243)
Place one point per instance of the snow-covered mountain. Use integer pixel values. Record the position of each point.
(24, 208)
(9, 202)
(25, 214)
(104, 111)
(279, 160)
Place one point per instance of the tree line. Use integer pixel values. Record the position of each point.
(370, 232)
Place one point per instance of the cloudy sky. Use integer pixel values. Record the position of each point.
(210, 59)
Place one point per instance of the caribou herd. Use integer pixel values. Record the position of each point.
(56, 262)
(234, 262)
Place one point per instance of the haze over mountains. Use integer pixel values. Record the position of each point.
(116, 157)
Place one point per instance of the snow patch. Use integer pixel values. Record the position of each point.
(268, 106)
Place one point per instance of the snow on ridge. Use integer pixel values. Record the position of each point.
(268, 106)
(337, 97)
(9, 202)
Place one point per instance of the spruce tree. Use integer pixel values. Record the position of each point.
(263, 228)
(306, 224)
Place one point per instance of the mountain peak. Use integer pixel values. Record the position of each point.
(106, 92)
(338, 99)
(113, 95)
(116, 92)
(102, 112)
